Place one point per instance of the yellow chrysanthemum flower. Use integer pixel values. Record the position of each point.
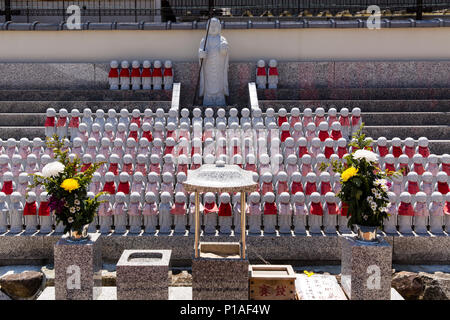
(347, 174)
(70, 185)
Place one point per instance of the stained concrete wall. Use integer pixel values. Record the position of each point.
(321, 44)
(294, 76)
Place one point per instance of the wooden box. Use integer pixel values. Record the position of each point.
(272, 282)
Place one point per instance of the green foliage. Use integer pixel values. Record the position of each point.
(359, 140)
(71, 207)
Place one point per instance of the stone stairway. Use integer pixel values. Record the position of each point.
(396, 114)
(22, 112)
(386, 112)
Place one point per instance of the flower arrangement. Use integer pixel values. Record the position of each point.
(364, 184)
(67, 187)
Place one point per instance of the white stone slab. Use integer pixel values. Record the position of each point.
(318, 287)
(180, 293)
(4, 296)
(395, 295)
(110, 293)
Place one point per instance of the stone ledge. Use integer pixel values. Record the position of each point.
(321, 249)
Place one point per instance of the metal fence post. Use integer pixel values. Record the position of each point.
(211, 7)
(419, 9)
(7, 10)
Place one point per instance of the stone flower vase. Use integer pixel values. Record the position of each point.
(366, 233)
(79, 235)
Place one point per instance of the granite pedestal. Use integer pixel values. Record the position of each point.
(366, 269)
(220, 273)
(143, 275)
(78, 268)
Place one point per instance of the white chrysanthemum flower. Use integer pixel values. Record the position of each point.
(72, 210)
(366, 154)
(70, 220)
(77, 202)
(370, 198)
(373, 206)
(52, 169)
(374, 191)
(378, 196)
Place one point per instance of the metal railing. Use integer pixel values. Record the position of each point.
(183, 10)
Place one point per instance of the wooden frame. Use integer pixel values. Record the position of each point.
(272, 282)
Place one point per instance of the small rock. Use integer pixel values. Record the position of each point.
(422, 286)
(182, 279)
(108, 278)
(23, 285)
(49, 272)
(408, 285)
(437, 286)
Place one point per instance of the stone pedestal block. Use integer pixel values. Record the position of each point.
(143, 275)
(366, 269)
(219, 275)
(78, 268)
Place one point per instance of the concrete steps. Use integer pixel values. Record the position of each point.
(432, 132)
(323, 93)
(406, 118)
(41, 106)
(22, 112)
(388, 112)
(29, 132)
(22, 119)
(432, 105)
(86, 95)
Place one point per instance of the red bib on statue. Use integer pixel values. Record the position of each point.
(30, 209)
(210, 208)
(225, 210)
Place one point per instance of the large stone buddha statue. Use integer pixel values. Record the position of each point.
(214, 73)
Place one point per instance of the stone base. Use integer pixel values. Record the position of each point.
(366, 269)
(143, 275)
(220, 279)
(78, 268)
(290, 249)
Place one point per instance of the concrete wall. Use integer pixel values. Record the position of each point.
(311, 76)
(246, 44)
